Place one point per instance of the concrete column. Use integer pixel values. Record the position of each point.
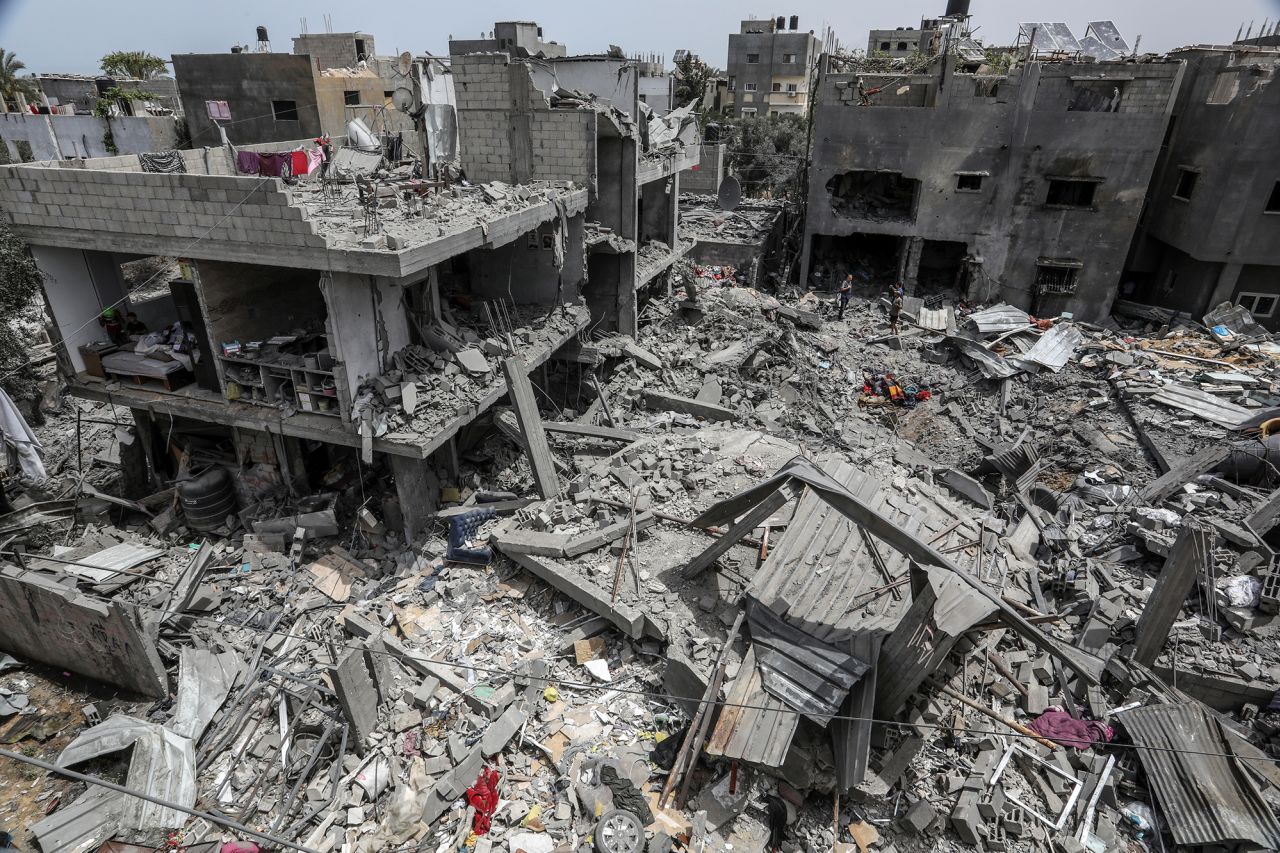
(418, 489)
(909, 261)
(140, 471)
(1228, 276)
(628, 313)
(673, 211)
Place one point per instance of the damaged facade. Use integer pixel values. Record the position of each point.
(1024, 186)
(1211, 231)
(519, 503)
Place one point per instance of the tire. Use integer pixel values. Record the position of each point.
(619, 831)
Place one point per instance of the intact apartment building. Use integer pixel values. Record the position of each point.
(514, 127)
(1211, 230)
(770, 65)
(1025, 186)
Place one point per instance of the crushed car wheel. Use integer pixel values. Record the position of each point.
(619, 831)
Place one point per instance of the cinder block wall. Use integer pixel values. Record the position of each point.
(101, 204)
(561, 143)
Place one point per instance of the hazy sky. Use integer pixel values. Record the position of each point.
(70, 35)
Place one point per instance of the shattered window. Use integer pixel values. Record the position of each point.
(789, 58)
(971, 183)
(753, 59)
(1186, 183)
(1096, 96)
(351, 98)
(1273, 203)
(284, 110)
(777, 87)
(871, 195)
(1257, 304)
(1055, 279)
(1065, 192)
(884, 45)
(902, 45)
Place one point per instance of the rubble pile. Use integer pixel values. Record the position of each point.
(791, 579)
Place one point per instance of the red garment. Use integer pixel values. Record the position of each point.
(484, 796)
(299, 161)
(1061, 727)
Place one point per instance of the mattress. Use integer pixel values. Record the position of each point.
(133, 364)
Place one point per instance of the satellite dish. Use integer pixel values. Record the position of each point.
(730, 193)
(405, 63)
(402, 99)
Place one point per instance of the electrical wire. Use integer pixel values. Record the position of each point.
(647, 694)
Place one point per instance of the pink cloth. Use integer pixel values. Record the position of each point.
(241, 847)
(1061, 727)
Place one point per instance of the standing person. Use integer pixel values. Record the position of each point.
(895, 309)
(846, 291)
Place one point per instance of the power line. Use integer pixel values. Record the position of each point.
(648, 694)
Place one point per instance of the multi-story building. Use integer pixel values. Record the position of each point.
(328, 80)
(1211, 229)
(515, 125)
(899, 42)
(313, 327)
(518, 38)
(1024, 186)
(770, 65)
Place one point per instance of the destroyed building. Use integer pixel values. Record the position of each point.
(1211, 230)
(519, 121)
(303, 304)
(770, 65)
(1024, 186)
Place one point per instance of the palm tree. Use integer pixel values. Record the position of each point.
(11, 85)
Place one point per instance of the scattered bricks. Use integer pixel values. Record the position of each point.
(966, 818)
(918, 818)
(423, 692)
(991, 803)
(501, 731)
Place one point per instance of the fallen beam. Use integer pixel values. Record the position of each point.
(735, 534)
(687, 406)
(592, 431)
(628, 619)
(1189, 555)
(535, 440)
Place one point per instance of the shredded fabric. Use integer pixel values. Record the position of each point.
(1061, 727)
(483, 795)
(625, 795)
(163, 161)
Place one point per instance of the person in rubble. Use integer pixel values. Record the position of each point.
(133, 326)
(6, 843)
(895, 309)
(111, 323)
(846, 291)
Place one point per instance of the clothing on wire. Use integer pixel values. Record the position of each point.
(162, 161)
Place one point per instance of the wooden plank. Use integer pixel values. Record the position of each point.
(735, 534)
(592, 431)
(1184, 471)
(535, 440)
(505, 420)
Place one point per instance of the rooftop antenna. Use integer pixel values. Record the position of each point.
(303, 22)
(1240, 31)
(328, 23)
(1250, 30)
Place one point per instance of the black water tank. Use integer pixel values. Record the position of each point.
(262, 34)
(782, 23)
(207, 500)
(795, 22)
(957, 8)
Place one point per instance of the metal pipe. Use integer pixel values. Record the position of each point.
(111, 786)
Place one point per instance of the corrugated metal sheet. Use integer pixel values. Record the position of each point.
(1204, 792)
(935, 319)
(992, 366)
(1203, 405)
(817, 578)
(1021, 466)
(1055, 347)
(999, 318)
(83, 825)
(109, 561)
(760, 734)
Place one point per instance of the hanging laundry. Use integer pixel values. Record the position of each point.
(248, 162)
(298, 163)
(315, 159)
(162, 161)
(273, 165)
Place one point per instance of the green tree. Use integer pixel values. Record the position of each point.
(767, 153)
(12, 85)
(137, 64)
(692, 78)
(20, 281)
